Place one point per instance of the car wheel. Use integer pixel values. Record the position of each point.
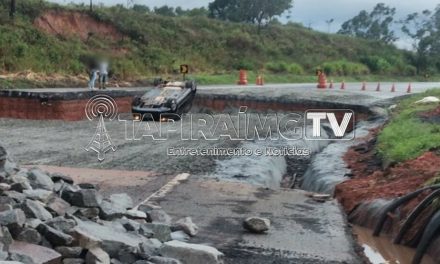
(136, 101)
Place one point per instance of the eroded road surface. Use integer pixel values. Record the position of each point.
(303, 231)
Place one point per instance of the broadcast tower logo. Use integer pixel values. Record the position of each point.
(101, 107)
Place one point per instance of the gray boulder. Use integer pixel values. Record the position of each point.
(180, 236)
(61, 224)
(191, 253)
(55, 237)
(256, 224)
(16, 196)
(30, 253)
(20, 182)
(110, 210)
(186, 225)
(12, 217)
(97, 256)
(29, 235)
(159, 216)
(57, 205)
(40, 180)
(70, 252)
(162, 260)
(130, 225)
(57, 177)
(135, 214)
(82, 198)
(35, 209)
(73, 261)
(5, 239)
(89, 234)
(89, 213)
(160, 231)
(122, 200)
(4, 187)
(39, 194)
(149, 248)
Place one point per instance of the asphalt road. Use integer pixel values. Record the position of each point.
(303, 231)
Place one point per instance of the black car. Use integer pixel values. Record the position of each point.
(166, 98)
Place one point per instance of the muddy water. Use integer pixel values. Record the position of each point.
(381, 250)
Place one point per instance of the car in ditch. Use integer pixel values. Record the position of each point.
(166, 99)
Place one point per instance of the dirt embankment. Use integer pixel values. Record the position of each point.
(370, 181)
(75, 24)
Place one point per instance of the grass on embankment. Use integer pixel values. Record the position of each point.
(407, 136)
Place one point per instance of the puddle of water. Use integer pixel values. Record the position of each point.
(380, 250)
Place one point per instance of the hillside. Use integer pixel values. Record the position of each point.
(49, 39)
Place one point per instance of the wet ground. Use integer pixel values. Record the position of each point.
(221, 190)
(381, 250)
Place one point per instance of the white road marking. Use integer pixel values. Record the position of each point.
(166, 188)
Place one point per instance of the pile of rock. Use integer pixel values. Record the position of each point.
(46, 218)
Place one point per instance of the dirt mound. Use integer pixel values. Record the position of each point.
(75, 24)
(369, 182)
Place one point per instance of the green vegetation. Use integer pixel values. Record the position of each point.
(407, 136)
(153, 45)
(433, 181)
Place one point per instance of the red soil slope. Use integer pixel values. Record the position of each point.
(75, 24)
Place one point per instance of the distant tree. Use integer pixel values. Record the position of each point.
(224, 10)
(12, 9)
(165, 11)
(329, 24)
(141, 8)
(202, 11)
(375, 25)
(418, 26)
(252, 11)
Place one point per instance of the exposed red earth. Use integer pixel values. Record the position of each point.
(371, 182)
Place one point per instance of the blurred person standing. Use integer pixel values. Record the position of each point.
(103, 74)
(93, 74)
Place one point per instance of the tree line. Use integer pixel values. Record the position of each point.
(422, 28)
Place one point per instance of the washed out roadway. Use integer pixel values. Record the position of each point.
(303, 231)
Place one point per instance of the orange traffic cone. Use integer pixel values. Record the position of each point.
(343, 85)
(393, 88)
(364, 86)
(409, 88)
(331, 84)
(260, 80)
(378, 87)
(322, 81)
(243, 78)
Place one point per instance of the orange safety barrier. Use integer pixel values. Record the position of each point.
(260, 80)
(243, 78)
(409, 90)
(322, 81)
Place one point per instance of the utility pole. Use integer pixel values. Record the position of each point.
(91, 6)
(12, 10)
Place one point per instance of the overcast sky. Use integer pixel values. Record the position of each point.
(312, 13)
